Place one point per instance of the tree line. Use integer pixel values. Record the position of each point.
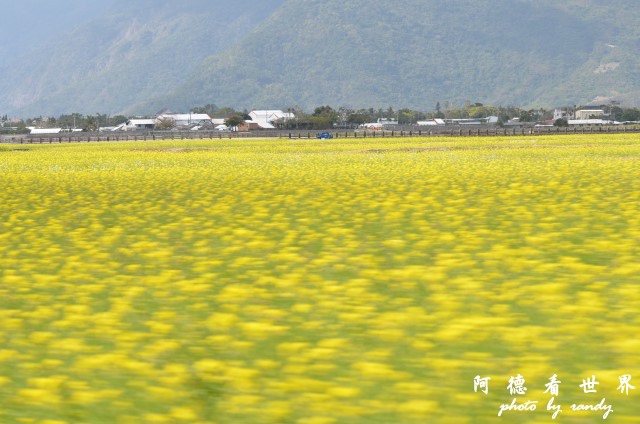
(325, 116)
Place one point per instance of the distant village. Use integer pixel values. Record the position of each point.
(258, 120)
(328, 118)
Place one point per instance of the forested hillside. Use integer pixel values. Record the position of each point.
(142, 56)
(414, 53)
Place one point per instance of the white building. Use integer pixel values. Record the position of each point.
(386, 122)
(591, 122)
(34, 130)
(589, 113)
(270, 118)
(186, 119)
(137, 124)
(562, 114)
(430, 123)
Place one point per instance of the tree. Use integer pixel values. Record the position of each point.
(117, 120)
(616, 113)
(407, 116)
(361, 116)
(91, 124)
(323, 111)
(226, 112)
(478, 110)
(165, 123)
(209, 109)
(324, 117)
(233, 121)
(530, 115)
(561, 122)
(75, 120)
(343, 115)
(631, 115)
(390, 113)
(300, 119)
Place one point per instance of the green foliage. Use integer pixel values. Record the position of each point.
(630, 115)
(533, 115)
(323, 117)
(78, 120)
(91, 124)
(325, 111)
(209, 109)
(234, 120)
(328, 56)
(361, 116)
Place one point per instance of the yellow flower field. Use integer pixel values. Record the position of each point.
(319, 282)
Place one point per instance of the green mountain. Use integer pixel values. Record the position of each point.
(143, 55)
(414, 53)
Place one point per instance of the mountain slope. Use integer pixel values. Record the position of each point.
(144, 55)
(415, 53)
(26, 25)
(135, 50)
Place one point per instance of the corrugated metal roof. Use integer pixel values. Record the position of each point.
(193, 117)
(46, 130)
(589, 122)
(270, 115)
(141, 122)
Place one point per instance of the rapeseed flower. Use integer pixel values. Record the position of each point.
(353, 281)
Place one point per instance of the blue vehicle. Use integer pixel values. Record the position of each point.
(324, 135)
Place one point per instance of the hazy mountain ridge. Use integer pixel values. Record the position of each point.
(131, 53)
(30, 24)
(409, 53)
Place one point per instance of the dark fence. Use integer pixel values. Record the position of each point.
(458, 131)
